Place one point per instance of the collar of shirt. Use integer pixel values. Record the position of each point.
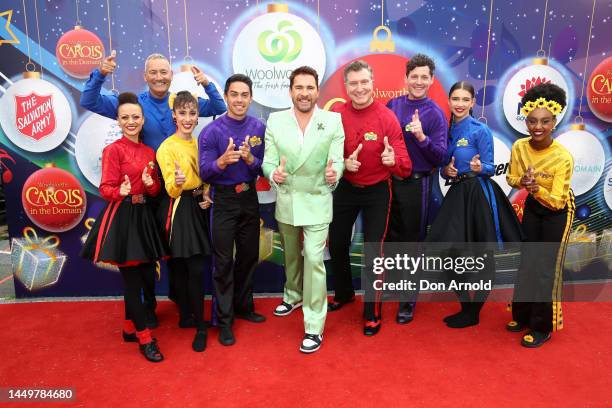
(297, 124)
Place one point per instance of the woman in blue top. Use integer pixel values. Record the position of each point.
(475, 208)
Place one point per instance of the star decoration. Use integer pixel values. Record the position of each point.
(12, 37)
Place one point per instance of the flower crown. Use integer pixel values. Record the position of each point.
(553, 107)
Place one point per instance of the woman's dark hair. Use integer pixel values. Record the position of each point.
(465, 86)
(547, 91)
(128, 97)
(184, 98)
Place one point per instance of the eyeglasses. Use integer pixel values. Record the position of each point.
(355, 84)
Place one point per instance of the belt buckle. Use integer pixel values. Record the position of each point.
(241, 187)
(138, 199)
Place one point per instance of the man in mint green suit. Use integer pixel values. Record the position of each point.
(304, 159)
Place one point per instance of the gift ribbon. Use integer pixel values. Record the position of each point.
(31, 237)
(579, 234)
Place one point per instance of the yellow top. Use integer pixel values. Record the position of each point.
(553, 168)
(185, 152)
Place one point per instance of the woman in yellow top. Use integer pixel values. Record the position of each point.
(544, 168)
(184, 215)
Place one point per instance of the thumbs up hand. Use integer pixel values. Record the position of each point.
(351, 163)
(230, 156)
(331, 175)
(279, 175)
(146, 177)
(108, 64)
(388, 154)
(199, 76)
(179, 177)
(450, 170)
(476, 164)
(125, 187)
(416, 126)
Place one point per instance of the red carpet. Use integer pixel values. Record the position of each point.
(421, 364)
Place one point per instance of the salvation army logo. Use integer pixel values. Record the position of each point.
(34, 115)
(285, 45)
(519, 83)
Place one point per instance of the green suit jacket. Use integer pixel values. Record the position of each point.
(305, 197)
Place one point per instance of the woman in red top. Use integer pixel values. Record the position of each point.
(125, 233)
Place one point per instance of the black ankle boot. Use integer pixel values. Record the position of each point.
(453, 317)
(468, 317)
(199, 341)
(151, 352)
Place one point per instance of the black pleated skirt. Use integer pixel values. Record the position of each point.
(185, 225)
(125, 234)
(467, 214)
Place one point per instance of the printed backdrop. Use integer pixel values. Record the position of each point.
(51, 147)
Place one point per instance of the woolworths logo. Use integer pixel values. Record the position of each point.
(285, 45)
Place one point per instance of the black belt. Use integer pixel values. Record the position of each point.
(464, 176)
(414, 176)
(237, 188)
(136, 199)
(195, 192)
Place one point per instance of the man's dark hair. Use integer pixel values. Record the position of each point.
(420, 60)
(238, 78)
(303, 70)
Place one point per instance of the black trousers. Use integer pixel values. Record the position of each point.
(134, 280)
(234, 222)
(537, 293)
(409, 213)
(189, 279)
(373, 202)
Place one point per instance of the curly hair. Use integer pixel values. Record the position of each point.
(547, 91)
(420, 60)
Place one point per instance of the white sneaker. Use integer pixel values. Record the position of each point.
(285, 308)
(311, 343)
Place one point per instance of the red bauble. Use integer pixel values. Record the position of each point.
(518, 202)
(389, 73)
(79, 51)
(599, 90)
(53, 199)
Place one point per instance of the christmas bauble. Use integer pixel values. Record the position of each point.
(599, 90)
(53, 199)
(78, 52)
(35, 114)
(589, 157)
(95, 133)
(270, 47)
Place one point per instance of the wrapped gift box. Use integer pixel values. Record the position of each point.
(36, 262)
(581, 249)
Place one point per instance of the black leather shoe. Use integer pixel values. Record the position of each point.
(199, 341)
(151, 352)
(151, 320)
(371, 327)
(226, 336)
(405, 314)
(251, 317)
(332, 305)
